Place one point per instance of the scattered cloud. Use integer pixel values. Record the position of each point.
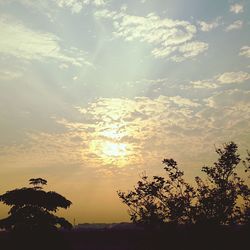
(230, 98)
(227, 114)
(173, 39)
(23, 43)
(50, 7)
(183, 102)
(190, 50)
(77, 5)
(204, 84)
(208, 26)
(245, 51)
(233, 77)
(123, 132)
(237, 8)
(235, 25)
(113, 131)
(220, 80)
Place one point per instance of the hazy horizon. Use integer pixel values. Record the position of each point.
(94, 92)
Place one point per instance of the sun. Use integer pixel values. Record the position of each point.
(110, 148)
(114, 149)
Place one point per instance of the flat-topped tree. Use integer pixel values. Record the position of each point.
(37, 182)
(32, 208)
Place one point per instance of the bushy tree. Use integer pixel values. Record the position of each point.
(219, 197)
(155, 202)
(32, 209)
(222, 198)
(144, 204)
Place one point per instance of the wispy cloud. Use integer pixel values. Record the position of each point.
(235, 25)
(237, 8)
(24, 43)
(8, 74)
(204, 84)
(77, 5)
(174, 39)
(245, 51)
(51, 6)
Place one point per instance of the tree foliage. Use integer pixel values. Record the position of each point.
(36, 182)
(32, 208)
(223, 198)
(217, 200)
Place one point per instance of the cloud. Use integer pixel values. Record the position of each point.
(207, 26)
(8, 74)
(204, 84)
(230, 98)
(183, 102)
(173, 39)
(23, 43)
(137, 132)
(233, 77)
(50, 7)
(237, 8)
(77, 5)
(245, 51)
(190, 50)
(113, 131)
(220, 80)
(235, 25)
(131, 122)
(228, 115)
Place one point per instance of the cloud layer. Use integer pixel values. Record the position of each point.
(119, 132)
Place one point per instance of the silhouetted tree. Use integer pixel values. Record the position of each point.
(155, 202)
(222, 199)
(218, 197)
(32, 209)
(144, 205)
(246, 197)
(37, 182)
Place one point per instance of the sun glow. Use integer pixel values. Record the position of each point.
(112, 152)
(114, 149)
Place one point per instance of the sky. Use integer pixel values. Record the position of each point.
(94, 93)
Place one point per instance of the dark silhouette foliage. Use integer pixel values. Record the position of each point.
(218, 198)
(32, 209)
(36, 182)
(223, 198)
